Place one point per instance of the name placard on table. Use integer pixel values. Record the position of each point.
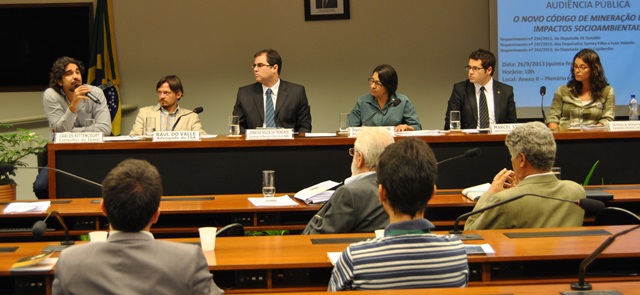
(353, 131)
(176, 136)
(269, 133)
(624, 126)
(503, 128)
(78, 137)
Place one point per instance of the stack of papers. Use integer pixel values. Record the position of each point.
(319, 193)
(419, 133)
(475, 192)
(479, 249)
(24, 207)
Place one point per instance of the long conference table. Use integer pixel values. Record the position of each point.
(182, 215)
(225, 165)
(297, 263)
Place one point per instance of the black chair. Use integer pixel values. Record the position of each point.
(615, 216)
(231, 230)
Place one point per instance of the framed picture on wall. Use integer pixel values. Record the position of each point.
(326, 9)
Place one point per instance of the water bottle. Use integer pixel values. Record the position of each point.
(633, 108)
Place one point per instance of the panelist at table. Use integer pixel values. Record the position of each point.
(409, 255)
(272, 102)
(354, 207)
(533, 152)
(480, 99)
(167, 111)
(131, 261)
(588, 90)
(68, 106)
(383, 106)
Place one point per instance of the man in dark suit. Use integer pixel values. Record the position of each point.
(468, 96)
(288, 106)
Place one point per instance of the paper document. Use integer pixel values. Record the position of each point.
(121, 138)
(31, 207)
(317, 134)
(275, 201)
(419, 133)
(474, 192)
(209, 136)
(318, 193)
(333, 257)
(472, 249)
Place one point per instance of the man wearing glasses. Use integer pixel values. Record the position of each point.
(354, 207)
(480, 99)
(271, 102)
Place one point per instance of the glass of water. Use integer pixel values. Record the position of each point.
(268, 183)
(234, 126)
(454, 122)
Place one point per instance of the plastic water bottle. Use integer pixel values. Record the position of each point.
(633, 108)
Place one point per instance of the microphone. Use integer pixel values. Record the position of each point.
(589, 205)
(11, 168)
(394, 103)
(468, 154)
(91, 96)
(581, 284)
(543, 91)
(197, 110)
(40, 227)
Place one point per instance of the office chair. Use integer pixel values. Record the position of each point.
(615, 216)
(231, 230)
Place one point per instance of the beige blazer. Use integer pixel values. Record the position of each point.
(530, 211)
(189, 122)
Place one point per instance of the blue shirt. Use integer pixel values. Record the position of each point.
(408, 256)
(366, 105)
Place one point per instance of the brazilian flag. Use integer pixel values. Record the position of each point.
(103, 66)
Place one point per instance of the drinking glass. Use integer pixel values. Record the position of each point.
(234, 126)
(454, 122)
(149, 126)
(344, 123)
(268, 183)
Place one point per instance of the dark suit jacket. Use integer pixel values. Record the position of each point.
(463, 99)
(292, 107)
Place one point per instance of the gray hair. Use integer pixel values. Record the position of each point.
(371, 142)
(536, 142)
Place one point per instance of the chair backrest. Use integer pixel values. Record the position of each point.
(616, 216)
(231, 230)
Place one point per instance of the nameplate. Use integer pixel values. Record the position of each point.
(353, 131)
(176, 136)
(503, 128)
(624, 126)
(78, 137)
(269, 133)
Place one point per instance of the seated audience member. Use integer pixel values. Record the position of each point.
(408, 256)
(132, 261)
(382, 87)
(587, 90)
(167, 111)
(354, 207)
(481, 92)
(272, 102)
(68, 107)
(533, 152)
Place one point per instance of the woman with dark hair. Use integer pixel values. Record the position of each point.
(383, 106)
(588, 90)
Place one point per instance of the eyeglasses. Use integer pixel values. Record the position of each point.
(475, 69)
(259, 65)
(371, 81)
(581, 68)
(352, 152)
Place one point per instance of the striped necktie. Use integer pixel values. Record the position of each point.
(484, 109)
(270, 113)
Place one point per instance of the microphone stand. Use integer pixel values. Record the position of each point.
(12, 167)
(41, 226)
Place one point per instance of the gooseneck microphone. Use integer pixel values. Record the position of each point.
(589, 205)
(10, 168)
(91, 96)
(197, 110)
(468, 154)
(40, 227)
(581, 284)
(394, 103)
(543, 91)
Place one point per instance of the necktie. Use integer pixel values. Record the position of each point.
(270, 113)
(484, 109)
